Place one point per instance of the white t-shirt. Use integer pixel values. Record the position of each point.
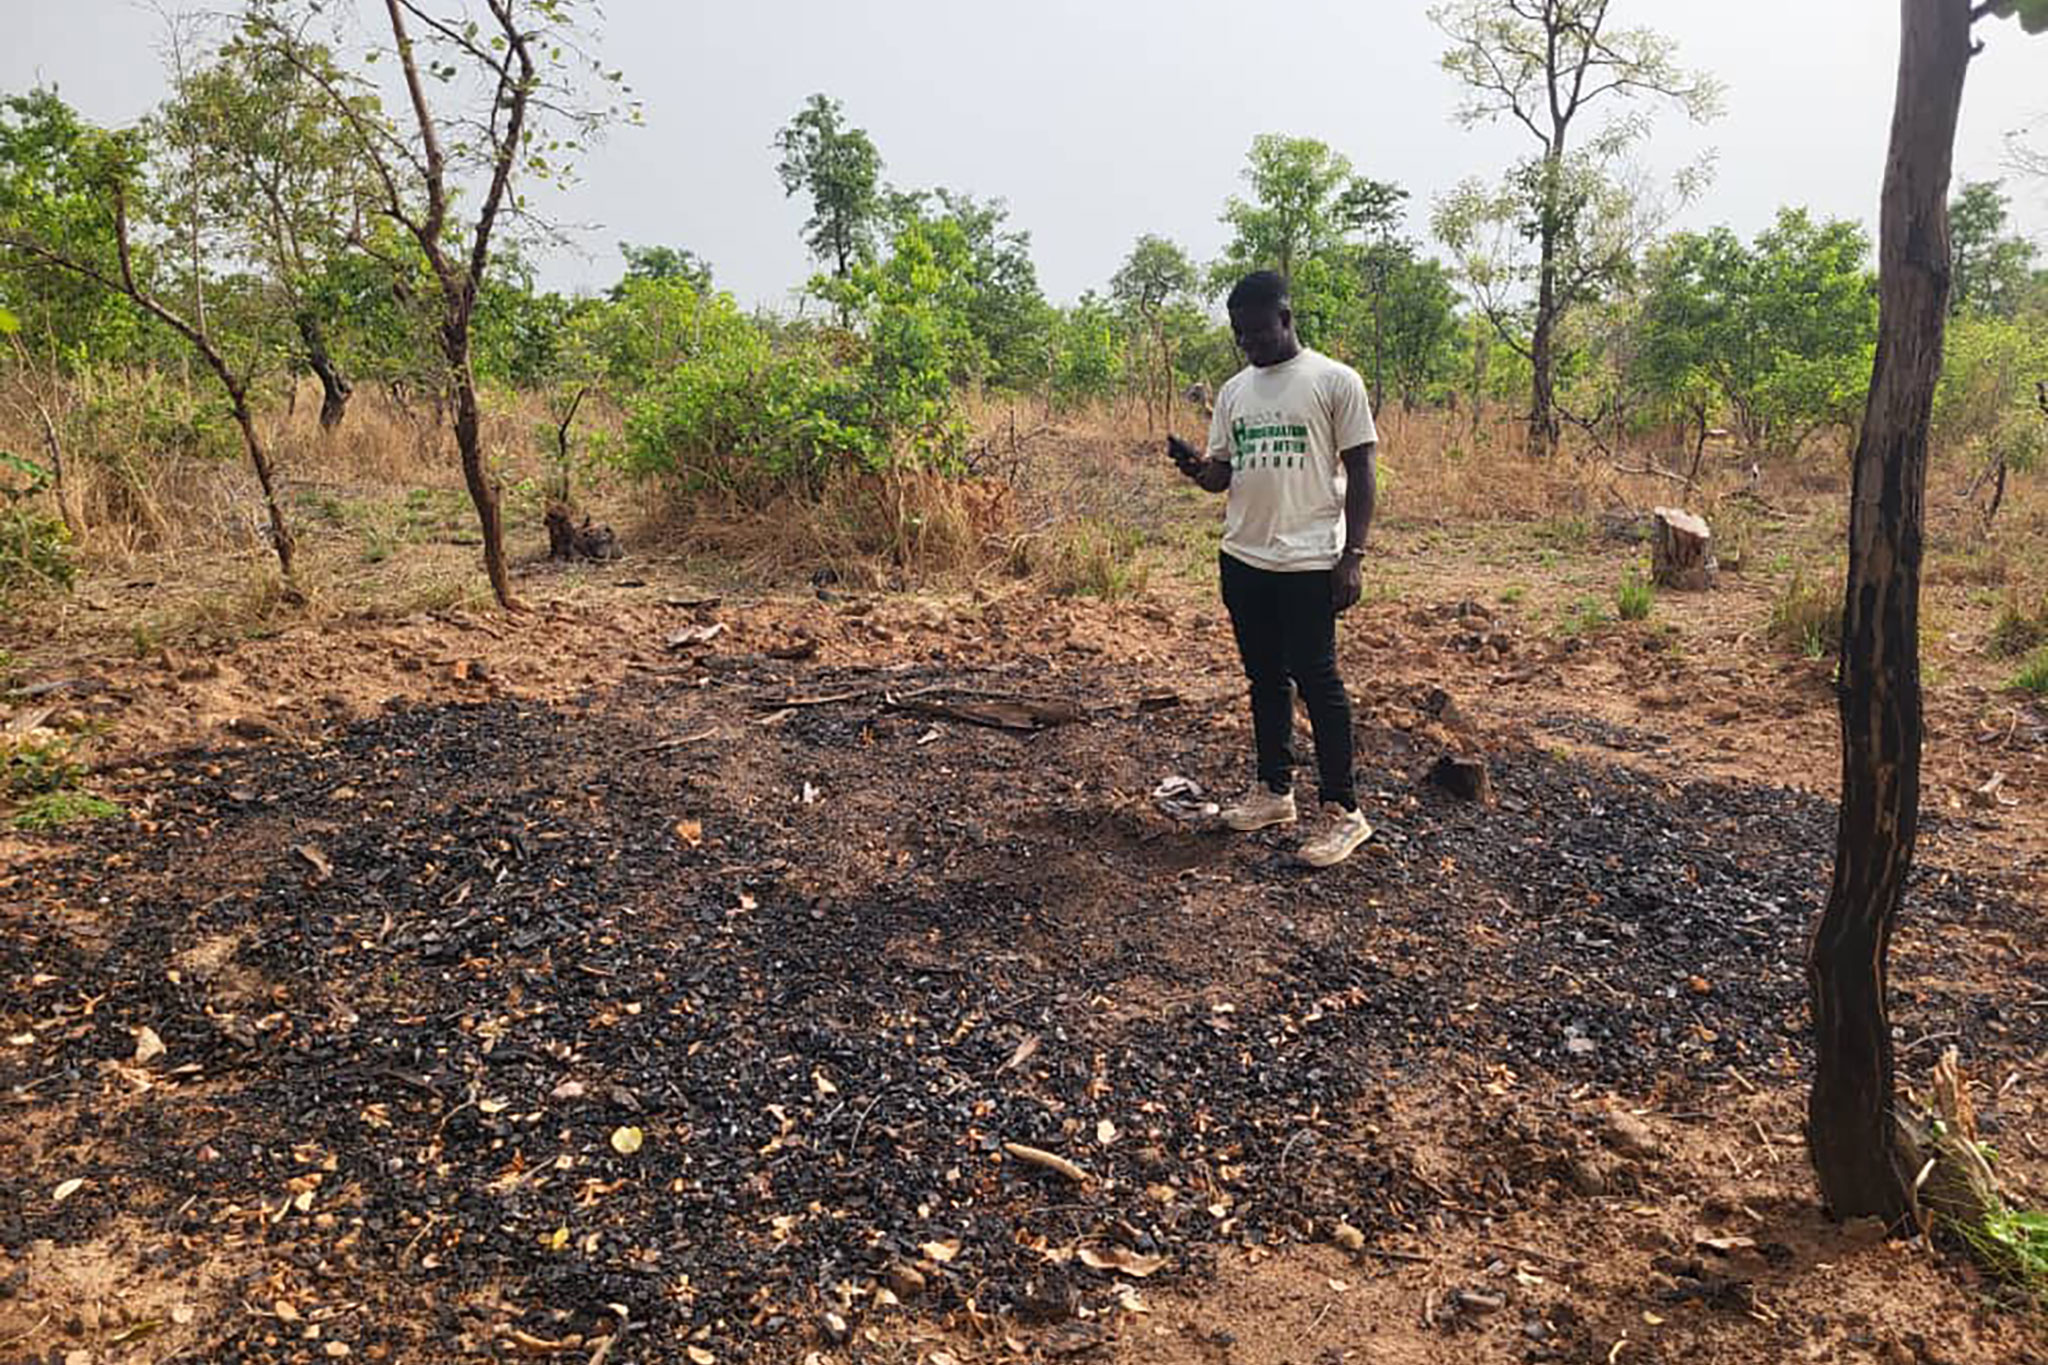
(1282, 428)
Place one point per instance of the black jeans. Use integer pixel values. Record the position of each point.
(1287, 637)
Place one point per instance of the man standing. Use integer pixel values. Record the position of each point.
(1292, 443)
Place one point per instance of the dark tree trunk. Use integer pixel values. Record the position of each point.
(280, 530)
(1850, 1121)
(1542, 395)
(334, 389)
(483, 489)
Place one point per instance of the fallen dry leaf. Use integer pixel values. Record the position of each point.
(1121, 1260)
(699, 1356)
(941, 1252)
(690, 832)
(66, 1190)
(148, 1047)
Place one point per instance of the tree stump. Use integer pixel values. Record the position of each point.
(1465, 778)
(567, 540)
(1681, 550)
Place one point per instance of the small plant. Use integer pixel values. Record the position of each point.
(1513, 593)
(55, 810)
(37, 763)
(1092, 558)
(34, 546)
(2033, 674)
(1635, 596)
(1582, 616)
(1807, 618)
(2016, 630)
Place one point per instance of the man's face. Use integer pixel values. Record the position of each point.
(1265, 335)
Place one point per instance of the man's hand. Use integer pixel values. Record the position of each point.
(1347, 582)
(1210, 475)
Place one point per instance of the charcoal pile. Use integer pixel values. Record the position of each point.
(491, 1039)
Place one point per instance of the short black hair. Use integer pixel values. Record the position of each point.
(1260, 291)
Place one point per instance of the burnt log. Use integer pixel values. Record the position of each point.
(567, 539)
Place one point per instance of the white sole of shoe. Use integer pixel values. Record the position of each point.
(1332, 858)
(1244, 826)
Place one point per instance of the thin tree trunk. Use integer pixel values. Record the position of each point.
(1542, 396)
(1850, 1121)
(483, 489)
(280, 531)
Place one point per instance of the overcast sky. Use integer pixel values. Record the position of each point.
(1098, 120)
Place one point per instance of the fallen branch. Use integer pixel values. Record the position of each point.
(662, 746)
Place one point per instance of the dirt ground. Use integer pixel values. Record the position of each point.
(681, 972)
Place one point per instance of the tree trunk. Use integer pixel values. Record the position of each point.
(280, 532)
(483, 489)
(1850, 1119)
(334, 389)
(1542, 396)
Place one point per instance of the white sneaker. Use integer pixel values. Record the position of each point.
(1260, 808)
(1339, 836)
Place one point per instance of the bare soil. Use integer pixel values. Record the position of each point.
(668, 974)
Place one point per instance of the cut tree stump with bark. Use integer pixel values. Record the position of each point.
(1681, 551)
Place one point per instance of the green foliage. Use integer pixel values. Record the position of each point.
(37, 763)
(1581, 616)
(661, 263)
(839, 168)
(1088, 354)
(34, 546)
(2033, 674)
(1634, 596)
(2032, 14)
(1806, 617)
(730, 410)
(2017, 629)
(1092, 557)
(59, 809)
(1985, 404)
(1989, 271)
(1783, 329)
(1292, 214)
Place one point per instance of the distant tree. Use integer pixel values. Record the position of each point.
(1372, 209)
(1005, 309)
(1990, 270)
(282, 187)
(662, 263)
(72, 198)
(1782, 329)
(528, 117)
(1543, 64)
(839, 168)
(1297, 184)
(1155, 278)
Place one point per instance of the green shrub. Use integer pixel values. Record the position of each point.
(34, 546)
(54, 810)
(2016, 630)
(1807, 618)
(1634, 598)
(1582, 616)
(1092, 557)
(2033, 674)
(36, 764)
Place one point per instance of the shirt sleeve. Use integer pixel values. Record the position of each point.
(1350, 410)
(1219, 426)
